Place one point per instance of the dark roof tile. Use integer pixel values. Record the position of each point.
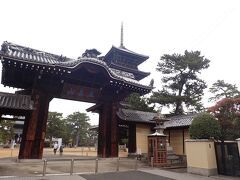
(15, 101)
(136, 116)
(29, 55)
(147, 117)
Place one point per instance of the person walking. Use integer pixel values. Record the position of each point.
(55, 147)
(61, 150)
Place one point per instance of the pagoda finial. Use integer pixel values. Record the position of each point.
(121, 45)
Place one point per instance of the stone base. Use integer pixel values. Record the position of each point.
(202, 171)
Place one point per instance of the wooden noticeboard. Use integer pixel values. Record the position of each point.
(80, 93)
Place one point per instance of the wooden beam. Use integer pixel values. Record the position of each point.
(12, 119)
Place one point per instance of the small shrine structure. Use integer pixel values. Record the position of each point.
(157, 143)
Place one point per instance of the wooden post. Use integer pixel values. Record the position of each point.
(102, 132)
(114, 131)
(108, 131)
(35, 128)
(132, 138)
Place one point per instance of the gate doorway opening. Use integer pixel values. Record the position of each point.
(76, 123)
(68, 107)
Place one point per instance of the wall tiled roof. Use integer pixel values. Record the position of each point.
(147, 117)
(15, 101)
(179, 121)
(136, 116)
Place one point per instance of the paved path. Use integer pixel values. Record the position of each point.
(142, 174)
(133, 175)
(59, 177)
(186, 176)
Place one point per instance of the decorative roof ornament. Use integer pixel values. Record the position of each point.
(62, 58)
(121, 44)
(5, 48)
(151, 84)
(91, 53)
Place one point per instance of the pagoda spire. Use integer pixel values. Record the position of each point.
(121, 44)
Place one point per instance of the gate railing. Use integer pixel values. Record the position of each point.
(116, 161)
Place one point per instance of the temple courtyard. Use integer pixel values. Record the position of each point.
(58, 167)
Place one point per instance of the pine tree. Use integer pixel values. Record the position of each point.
(181, 82)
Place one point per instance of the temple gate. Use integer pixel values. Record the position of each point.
(43, 76)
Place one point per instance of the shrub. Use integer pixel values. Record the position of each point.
(204, 126)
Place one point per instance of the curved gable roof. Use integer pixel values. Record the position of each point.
(61, 63)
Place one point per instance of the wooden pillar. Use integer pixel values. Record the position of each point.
(183, 141)
(132, 138)
(114, 131)
(102, 131)
(35, 128)
(108, 131)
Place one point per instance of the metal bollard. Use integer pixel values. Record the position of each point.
(11, 152)
(96, 167)
(151, 162)
(136, 164)
(117, 169)
(71, 168)
(44, 167)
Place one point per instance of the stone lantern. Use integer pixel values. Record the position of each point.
(157, 143)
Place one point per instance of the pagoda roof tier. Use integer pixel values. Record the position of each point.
(123, 59)
(139, 58)
(32, 59)
(138, 75)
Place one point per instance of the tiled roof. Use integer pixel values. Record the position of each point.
(179, 121)
(147, 117)
(136, 116)
(33, 56)
(15, 101)
(30, 55)
(123, 49)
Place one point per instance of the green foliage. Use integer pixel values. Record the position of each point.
(74, 128)
(221, 89)
(204, 126)
(57, 127)
(79, 123)
(181, 84)
(6, 131)
(136, 102)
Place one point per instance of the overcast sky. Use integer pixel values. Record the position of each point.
(151, 27)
